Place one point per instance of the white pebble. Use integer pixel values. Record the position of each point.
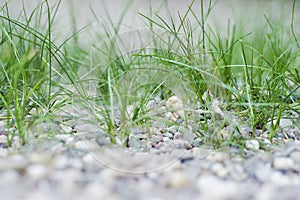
(3, 152)
(97, 191)
(9, 176)
(295, 155)
(60, 162)
(66, 128)
(3, 138)
(219, 170)
(167, 140)
(36, 171)
(77, 164)
(178, 180)
(206, 184)
(172, 116)
(283, 163)
(39, 158)
(169, 135)
(63, 137)
(86, 145)
(13, 162)
(91, 163)
(216, 156)
(174, 102)
(70, 140)
(252, 144)
(110, 174)
(279, 179)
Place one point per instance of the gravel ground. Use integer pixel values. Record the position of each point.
(71, 167)
(167, 165)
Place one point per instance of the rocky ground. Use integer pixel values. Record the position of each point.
(73, 167)
(168, 165)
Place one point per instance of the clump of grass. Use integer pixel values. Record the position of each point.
(255, 73)
(32, 70)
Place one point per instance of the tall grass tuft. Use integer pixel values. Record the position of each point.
(33, 69)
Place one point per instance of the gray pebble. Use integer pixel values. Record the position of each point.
(295, 155)
(245, 129)
(178, 136)
(286, 123)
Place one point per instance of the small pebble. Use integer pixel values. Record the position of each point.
(178, 136)
(167, 140)
(179, 144)
(283, 163)
(245, 129)
(86, 145)
(66, 128)
(174, 102)
(252, 144)
(224, 189)
(63, 137)
(178, 180)
(169, 135)
(219, 170)
(17, 162)
(9, 177)
(91, 163)
(36, 171)
(172, 116)
(295, 155)
(96, 191)
(39, 158)
(279, 179)
(3, 138)
(70, 140)
(3, 152)
(60, 162)
(110, 174)
(285, 123)
(216, 156)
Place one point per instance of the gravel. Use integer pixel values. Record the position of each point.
(110, 172)
(171, 164)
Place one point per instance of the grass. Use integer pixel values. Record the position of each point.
(254, 74)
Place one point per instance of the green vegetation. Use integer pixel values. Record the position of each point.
(253, 74)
